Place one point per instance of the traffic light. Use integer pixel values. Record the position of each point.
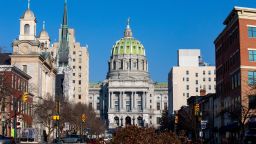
(197, 109)
(83, 117)
(176, 119)
(25, 97)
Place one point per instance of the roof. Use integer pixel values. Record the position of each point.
(128, 45)
(15, 69)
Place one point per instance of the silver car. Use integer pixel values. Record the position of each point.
(72, 139)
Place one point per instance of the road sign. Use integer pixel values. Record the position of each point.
(83, 117)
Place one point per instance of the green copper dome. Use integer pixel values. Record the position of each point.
(128, 45)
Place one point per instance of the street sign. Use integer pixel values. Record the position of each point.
(56, 117)
(83, 117)
(204, 124)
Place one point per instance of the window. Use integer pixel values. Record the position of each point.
(79, 96)
(27, 29)
(251, 77)
(74, 74)
(139, 104)
(251, 32)
(74, 67)
(98, 106)
(128, 106)
(150, 106)
(158, 120)
(196, 74)
(210, 87)
(74, 52)
(252, 102)
(79, 89)
(134, 65)
(80, 68)
(117, 105)
(80, 60)
(187, 95)
(187, 72)
(74, 81)
(252, 55)
(197, 89)
(209, 72)
(165, 105)
(203, 79)
(80, 53)
(80, 74)
(203, 72)
(79, 82)
(187, 87)
(158, 106)
(25, 68)
(196, 81)
(74, 60)
(187, 79)
(183, 94)
(209, 79)
(150, 101)
(90, 105)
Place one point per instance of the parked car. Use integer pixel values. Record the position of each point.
(72, 139)
(6, 140)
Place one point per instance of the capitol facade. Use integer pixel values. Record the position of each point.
(128, 96)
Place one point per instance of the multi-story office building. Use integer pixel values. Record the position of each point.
(190, 77)
(235, 49)
(128, 95)
(72, 61)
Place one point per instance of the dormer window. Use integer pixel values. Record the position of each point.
(26, 29)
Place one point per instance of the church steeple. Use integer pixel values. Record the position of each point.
(128, 31)
(28, 25)
(63, 47)
(65, 15)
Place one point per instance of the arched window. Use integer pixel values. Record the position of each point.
(116, 120)
(26, 29)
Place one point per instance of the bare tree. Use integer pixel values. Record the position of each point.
(242, 111)
(44, 112)
(188, 121)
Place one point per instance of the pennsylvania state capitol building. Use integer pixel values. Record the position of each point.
(128, 96)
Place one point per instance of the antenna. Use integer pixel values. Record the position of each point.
(28, 4)
(43, 25)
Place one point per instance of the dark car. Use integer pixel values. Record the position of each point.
(72, 139)
(6, 140)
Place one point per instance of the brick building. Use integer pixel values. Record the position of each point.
(235, 49)
(13, 84)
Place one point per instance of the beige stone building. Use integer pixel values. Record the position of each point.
(72, 61)
(79, 63)
(188, 78)
(30, 55)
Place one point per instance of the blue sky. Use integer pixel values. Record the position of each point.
(163, 26)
